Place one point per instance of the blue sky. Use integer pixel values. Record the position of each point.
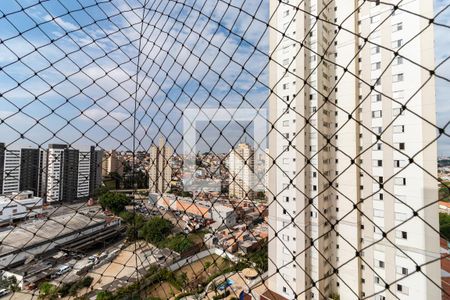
(192, 55)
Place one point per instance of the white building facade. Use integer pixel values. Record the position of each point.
(54, 187)
(160, 169)
(84, 165)
(344, 186)
(241, 163)
(11, 171)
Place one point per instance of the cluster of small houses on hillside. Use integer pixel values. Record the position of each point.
(223, 217)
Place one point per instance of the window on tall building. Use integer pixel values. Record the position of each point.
(402, 270)
(400, 181)
(397, 27)
(375, 19)
(397, 77)
(398, 128)
(398, 95)
(375, 50)
(377, 114)
(398, 61)
(397, 111)
(397, 44)
(376, 66)
(377, 163)
(376, 98)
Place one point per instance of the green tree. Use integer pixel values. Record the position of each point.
(115, 202)
(183, 279)
(335, 296)
(87, 281)
(9, 283)
(444, 225)
(101, 190)
(156, 230)
(104, 295)
(117, 179)
(134, 222)
(178, 243)
(48, 291)
(207, 264)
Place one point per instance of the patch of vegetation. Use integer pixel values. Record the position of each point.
(158, 231)
(9, 283)
(259, 258)
(50, 291)
(133, 221)
(138, 290)
(444, 191)
(115, 202)
(72, 288)
(178, 243)
(444, 225)
(335, 296)
(221, 296)
(155, 230)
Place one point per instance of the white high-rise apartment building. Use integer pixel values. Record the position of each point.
(55, 155)
(160, 170)
(241, 163)
(343, 146)
(84, 166)
(11, 173)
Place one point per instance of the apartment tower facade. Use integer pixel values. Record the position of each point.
(112, 163)
(72, 174)
(160, 170)
(241, 165)
(344, 187)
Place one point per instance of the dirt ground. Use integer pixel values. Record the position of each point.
(124, 265)
(197, 269)
(163, 290)
(194, 271)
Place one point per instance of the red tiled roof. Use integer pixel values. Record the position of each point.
(443, 243)
(445, 263)
(443, 203)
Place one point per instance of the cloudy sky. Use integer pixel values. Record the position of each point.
(78, 71)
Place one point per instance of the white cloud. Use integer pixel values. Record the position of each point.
(62, 23)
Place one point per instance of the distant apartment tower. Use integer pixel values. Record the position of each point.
(343, 187)
(54, 172)
(96, 170)
(241, 163)
(21, 170)
(84, 170)
(72, 174)
(33, 170)
(160, 170)
(2, 165)
(11, 171)
(112, 163)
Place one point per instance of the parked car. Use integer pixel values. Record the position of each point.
(63, 270)
(4, 292)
